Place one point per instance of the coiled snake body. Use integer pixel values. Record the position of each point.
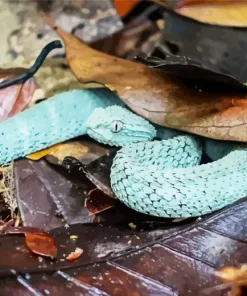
(161, 178)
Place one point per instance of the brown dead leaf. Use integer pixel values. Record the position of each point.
(41, 244)
(233, 274)
(236, 277)
(38, 241)
(42, 153)
(56, 153)
(159, 97)
(75, 255)
(98, 202)
(15, 98)
(73, 149)
(123, 7)
(84, 151)
(217, 12)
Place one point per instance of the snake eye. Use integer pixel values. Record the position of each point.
(116, 126)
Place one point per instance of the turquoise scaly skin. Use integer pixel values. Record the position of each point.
(54, 120)
(169, 190)
(160, 178)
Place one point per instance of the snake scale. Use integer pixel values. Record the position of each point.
(157, 177)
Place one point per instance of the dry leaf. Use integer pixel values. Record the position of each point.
(84, 151)
(75, 255)
(233, 274)
(41, 244)
(74, 149)
(56, 153)
(195, 2)
(123, 7)
(217, 12)
(159, 97)
(38, 241)
(15, 98)
(236, 277)
(98, 202)
(42, 153)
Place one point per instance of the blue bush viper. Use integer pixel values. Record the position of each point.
(157, 177)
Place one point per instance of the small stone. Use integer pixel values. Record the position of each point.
(132, 225)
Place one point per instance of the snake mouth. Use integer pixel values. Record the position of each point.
(119, 139)
(139, 137)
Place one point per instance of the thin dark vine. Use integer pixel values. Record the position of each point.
(37, 64)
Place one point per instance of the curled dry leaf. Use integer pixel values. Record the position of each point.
(217, 12)
(15, 98)
(75, 255)
(98, 202)
(159, 97)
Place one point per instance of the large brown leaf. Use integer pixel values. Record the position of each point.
(161, 98)
(217, 12)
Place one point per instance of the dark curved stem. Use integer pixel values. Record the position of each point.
(35, 67)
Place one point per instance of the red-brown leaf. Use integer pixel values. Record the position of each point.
(123, 7)
(98, 202)
(15, 98)
(38, 241)
(74, 255)
(41, 244)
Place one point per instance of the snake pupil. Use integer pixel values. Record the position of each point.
(116, 126)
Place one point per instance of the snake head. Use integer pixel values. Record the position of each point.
(117, 126)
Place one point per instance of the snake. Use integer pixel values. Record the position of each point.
(156, 170)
